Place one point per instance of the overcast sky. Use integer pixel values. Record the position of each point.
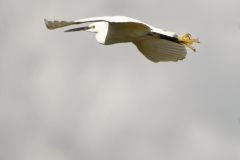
(63, 96)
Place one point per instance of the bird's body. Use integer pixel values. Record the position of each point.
(122, 33)
(155, 44)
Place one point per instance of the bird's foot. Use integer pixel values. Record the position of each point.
(186, 40)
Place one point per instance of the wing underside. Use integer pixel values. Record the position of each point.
(158, 50)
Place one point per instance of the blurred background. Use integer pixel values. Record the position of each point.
(63, 96)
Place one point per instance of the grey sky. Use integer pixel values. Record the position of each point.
(63, 96)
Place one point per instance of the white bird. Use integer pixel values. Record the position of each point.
(155, 44)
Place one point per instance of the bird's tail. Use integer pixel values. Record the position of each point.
(56, 24)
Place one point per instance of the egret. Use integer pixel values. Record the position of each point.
(155, 44)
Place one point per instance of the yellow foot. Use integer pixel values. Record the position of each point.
(186, 41)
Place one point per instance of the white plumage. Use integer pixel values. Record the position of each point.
(155, 44)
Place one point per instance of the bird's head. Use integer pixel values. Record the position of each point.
(94, 27)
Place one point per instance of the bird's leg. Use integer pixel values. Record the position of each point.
(191, 47)
(186, 40)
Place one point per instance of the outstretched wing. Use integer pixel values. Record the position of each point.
(157, 50)
(114, 19)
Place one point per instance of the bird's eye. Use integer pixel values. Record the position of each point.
(93, 27)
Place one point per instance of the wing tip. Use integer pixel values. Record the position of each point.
(47, 23)
(58, 24)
